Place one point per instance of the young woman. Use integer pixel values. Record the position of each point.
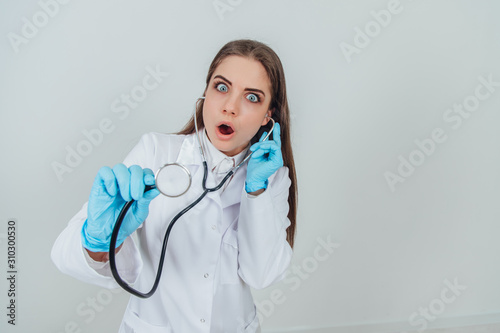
(238, 237)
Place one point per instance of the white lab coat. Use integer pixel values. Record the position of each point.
(226, 244)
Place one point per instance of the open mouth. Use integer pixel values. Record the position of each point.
(225, 129)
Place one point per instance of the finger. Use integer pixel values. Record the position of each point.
(136, 182)
(267, 145)
(149, 195)
(106, 181)
(123, 178)
(257, 155)
(277, 134)
(149, 177)
(262, 136)
(144, 202)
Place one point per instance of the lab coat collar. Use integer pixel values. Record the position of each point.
(217, 161)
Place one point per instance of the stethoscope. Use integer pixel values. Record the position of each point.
(164, 177)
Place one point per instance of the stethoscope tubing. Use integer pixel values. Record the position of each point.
(123, 212)
(121, 216)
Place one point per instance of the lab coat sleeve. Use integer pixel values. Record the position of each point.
(71, 258)
(264, 253)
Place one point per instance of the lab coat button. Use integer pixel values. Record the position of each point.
(206, 275)
(202, 320)
(213, 226)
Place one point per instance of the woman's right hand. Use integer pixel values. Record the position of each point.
(111, 190)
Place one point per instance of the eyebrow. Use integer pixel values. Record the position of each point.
(246, 89)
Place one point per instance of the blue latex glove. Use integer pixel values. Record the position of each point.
(111, 189)
(265, 160)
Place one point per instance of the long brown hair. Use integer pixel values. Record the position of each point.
(279, 104)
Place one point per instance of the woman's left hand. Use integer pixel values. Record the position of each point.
(265, 160)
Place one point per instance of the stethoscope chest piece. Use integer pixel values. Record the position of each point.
(173, 180)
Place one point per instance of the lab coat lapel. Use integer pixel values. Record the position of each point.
(232, 194)
(190, 156)
(189, 152)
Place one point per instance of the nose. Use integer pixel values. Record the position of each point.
(231, 105)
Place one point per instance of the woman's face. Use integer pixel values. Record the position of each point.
(236, 103)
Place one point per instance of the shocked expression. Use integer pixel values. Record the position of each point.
(236, 103)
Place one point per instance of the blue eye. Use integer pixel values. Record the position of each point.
(221, 87)
(253, 98)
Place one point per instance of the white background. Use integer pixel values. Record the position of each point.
(352, 119)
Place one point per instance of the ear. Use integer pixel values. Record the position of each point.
(266, 119)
